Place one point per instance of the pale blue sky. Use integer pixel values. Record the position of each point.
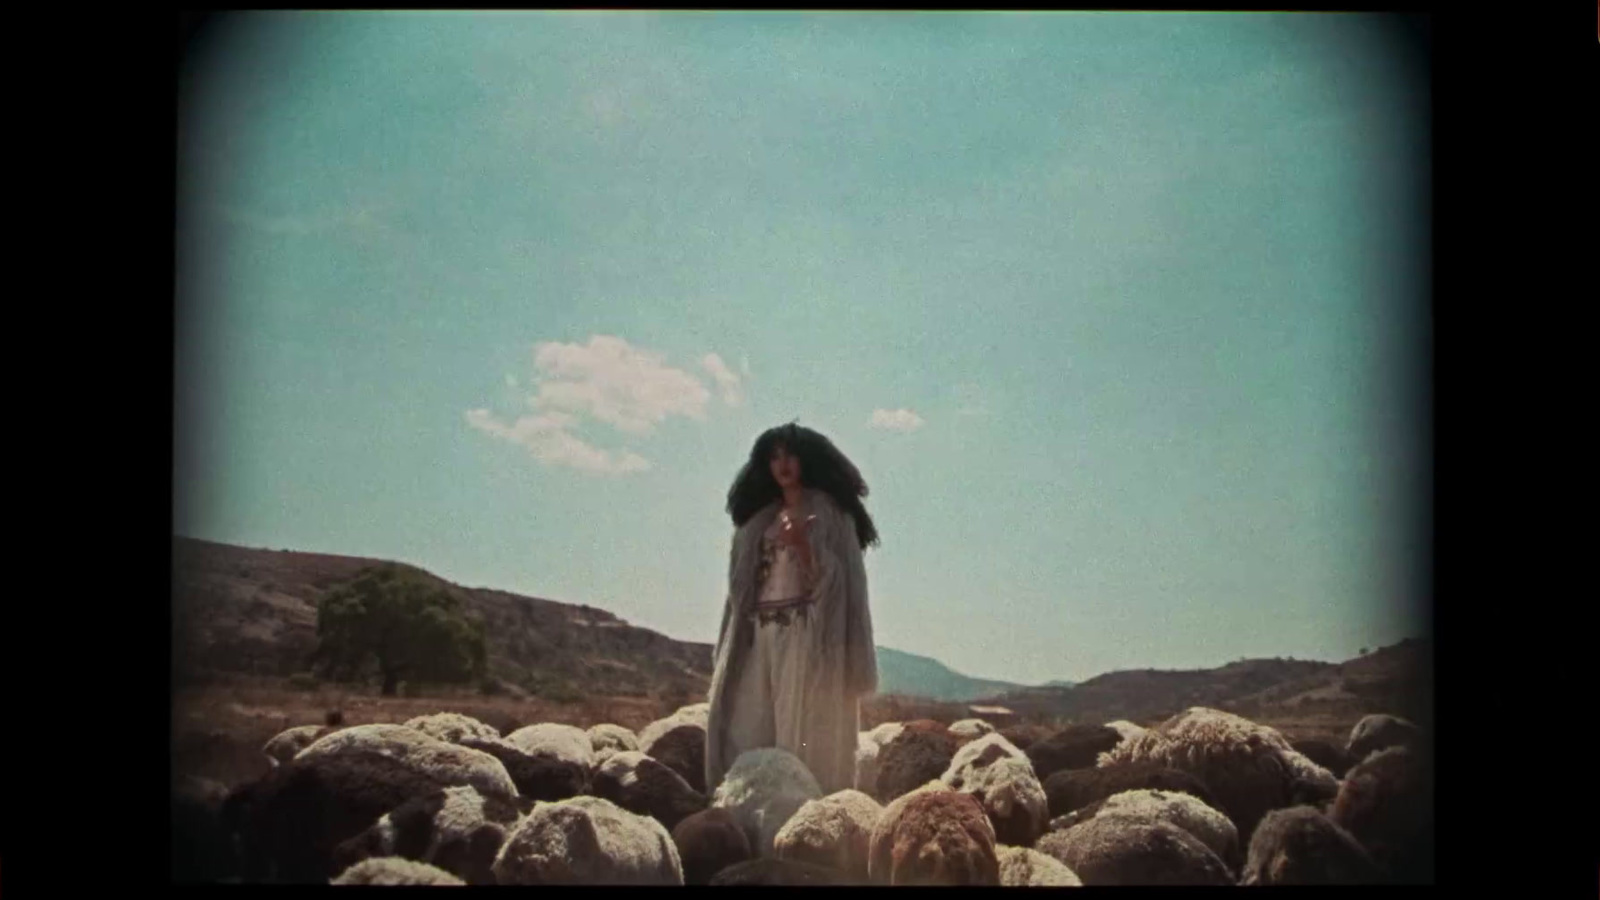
(1115, 312)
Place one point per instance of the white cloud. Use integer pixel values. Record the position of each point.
(606, 380)
(896, 419)
(628, 388)
(547, 438)
(726, 380)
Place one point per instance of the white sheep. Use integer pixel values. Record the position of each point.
(695, 714)
(1121, 849)
(833, 831)
(393, 870)
(1213, 828)
(1248, 768)
(587, 840)
(608, 739)
(452, 727)
(967, 729)
(283, 746)
(1002, 779)
(455, 829)
(447, 763)
(1027, 867)
(868, 743)
(1127, 729)
(762, 789)
(567, 743)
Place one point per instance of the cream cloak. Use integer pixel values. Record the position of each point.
(841, 664)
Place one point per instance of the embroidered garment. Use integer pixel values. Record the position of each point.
(807, 665)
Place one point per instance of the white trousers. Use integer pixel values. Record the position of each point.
(766, 708)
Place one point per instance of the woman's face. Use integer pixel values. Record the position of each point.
(785, 468)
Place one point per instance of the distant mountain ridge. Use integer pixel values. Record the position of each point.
(238, 610)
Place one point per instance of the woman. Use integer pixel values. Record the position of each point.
(794, 654)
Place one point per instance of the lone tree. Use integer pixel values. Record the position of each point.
(400, 623)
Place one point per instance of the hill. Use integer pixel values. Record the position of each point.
(911, 675)
(243, 611)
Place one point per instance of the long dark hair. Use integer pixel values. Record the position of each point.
(822, 466)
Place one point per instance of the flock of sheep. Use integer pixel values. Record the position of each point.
(1204, 798)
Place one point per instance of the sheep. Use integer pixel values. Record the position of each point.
(1213, 828)
(933, 835)
(1301, 846)
(762, 789)
(1023, 734)
(553, 739)
(1000, 777)
(587, 840)
(291, 822)
(394, 870)
(1027, 867)
(868, 745)
(642, 785)
(452, 727)
(780, 872)
(456, 829)
(537, 777)
(833, 831)
(451, 764)
(1073, 747)
(608, 739)
(1124, 849)
(1326, 754)
(1386, 803)
(1379, 732)
(708, 842)
(970, 729)
(696, 714)
(1248, 768)
(283, 746)
(679, 742)
(1127, 729)
(1073, 789)
(916, 755)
